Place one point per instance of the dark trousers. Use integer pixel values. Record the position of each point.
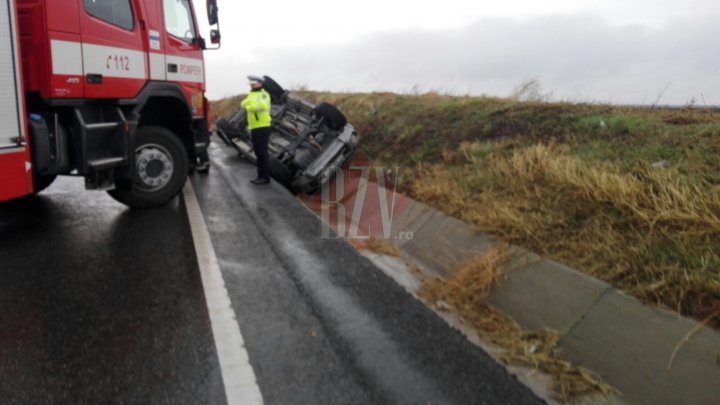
(260, 138)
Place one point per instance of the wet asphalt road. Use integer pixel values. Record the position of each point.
(102, 304)
(99, 303)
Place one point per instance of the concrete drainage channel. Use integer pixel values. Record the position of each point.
(648, 354)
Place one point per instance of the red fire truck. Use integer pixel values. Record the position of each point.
(110, 90)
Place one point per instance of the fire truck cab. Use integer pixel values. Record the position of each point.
(111, 90)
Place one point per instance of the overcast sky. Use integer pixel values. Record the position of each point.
(625, 52)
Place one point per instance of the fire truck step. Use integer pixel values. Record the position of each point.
(106, 163)
(102, 125)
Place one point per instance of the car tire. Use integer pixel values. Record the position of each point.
(232, 133)
(335, 119)
(239, 120)
(273, 88)
(41, 182)
(160, 172)
(280, 172)
(223, 137)
(233, 130)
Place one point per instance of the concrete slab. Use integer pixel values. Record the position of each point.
(546, 295)
(443, 244)
(412, 218)
(372, 221)
(520, 258)
(631, 344)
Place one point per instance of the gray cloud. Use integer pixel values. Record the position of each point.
(579, 58)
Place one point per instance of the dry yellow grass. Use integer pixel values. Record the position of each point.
(383, 247)
(651, 232)
(465, 292)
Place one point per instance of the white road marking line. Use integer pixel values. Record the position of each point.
(238, 376)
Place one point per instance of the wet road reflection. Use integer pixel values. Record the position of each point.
(99, 303)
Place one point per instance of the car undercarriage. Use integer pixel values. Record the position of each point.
(308, 142)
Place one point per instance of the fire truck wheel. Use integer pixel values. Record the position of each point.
(161, 168)
(41, 182)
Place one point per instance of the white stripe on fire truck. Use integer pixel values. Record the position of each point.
(69, 58)
(188, 69)
(157, 66)
(13, 149)
(66, 57)
(110, 61)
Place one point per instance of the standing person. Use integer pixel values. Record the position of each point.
(257, 106)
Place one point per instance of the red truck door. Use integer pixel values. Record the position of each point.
(113, 53)
(15, 178)
(183, 54)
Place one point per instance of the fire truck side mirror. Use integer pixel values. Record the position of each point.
(215, 37)
(212, 11)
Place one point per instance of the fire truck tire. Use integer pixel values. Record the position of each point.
(41, 182)
(161, 168)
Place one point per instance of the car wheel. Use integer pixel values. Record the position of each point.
(275, 90)
(280, 172)
(223, 136)
(161, 167)
(41, 182)
(335, 119)
(232, 129)
(239, 120)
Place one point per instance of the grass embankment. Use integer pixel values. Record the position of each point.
(226, 107)
(631, 196)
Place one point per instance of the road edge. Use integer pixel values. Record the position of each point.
(241, 386)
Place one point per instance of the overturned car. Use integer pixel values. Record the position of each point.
(308, 142)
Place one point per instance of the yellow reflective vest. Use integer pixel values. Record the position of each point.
(257, 106)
